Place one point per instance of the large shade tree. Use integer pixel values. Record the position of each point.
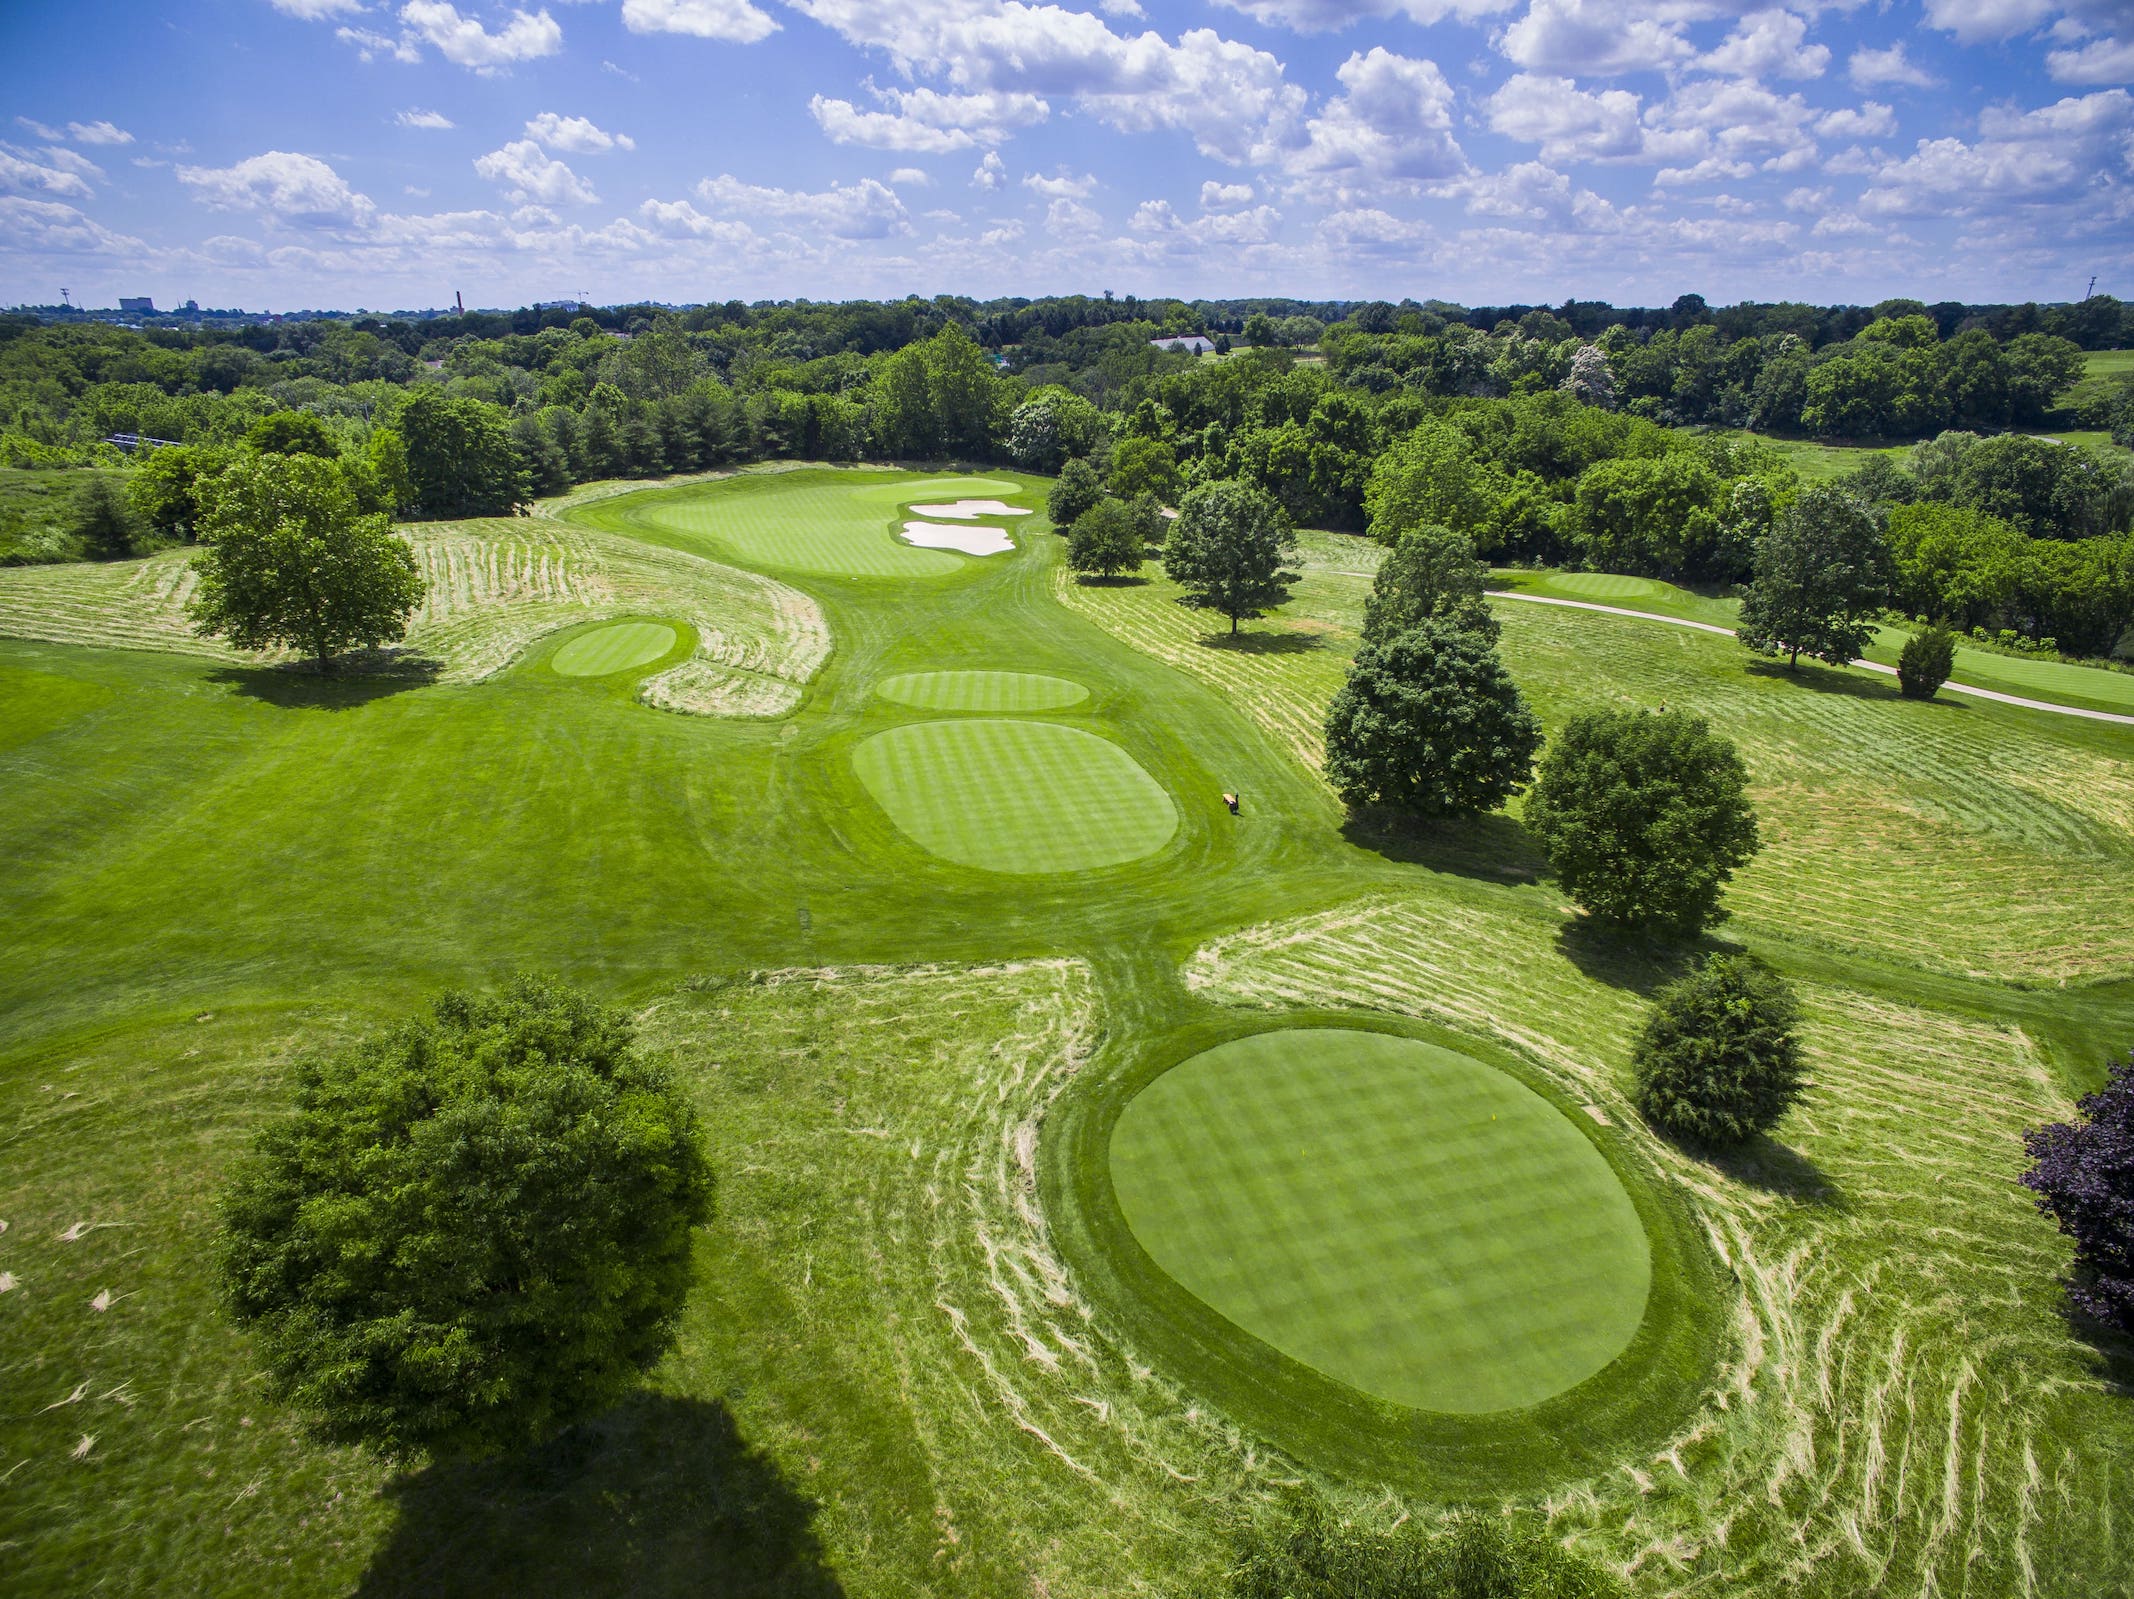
(1430, 723)
(288, 557)
(1821, 574)
(1230, 551)
(1644, 816)
(472, 1230)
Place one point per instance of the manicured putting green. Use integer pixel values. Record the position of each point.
(822, 526)
(990, 692)
(615, 648)
(1016, 796)
(1602, 586)
(1404, 1219)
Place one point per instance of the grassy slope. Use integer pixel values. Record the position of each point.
(903, 1363)
(2060, 682)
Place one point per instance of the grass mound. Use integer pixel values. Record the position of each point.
(1016, 796)
(614, 648)
(990, 692)
(1397, 1216)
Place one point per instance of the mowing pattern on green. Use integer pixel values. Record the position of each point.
(823, 527)
(1016, 796)
(993, 692)
(613, 649)
(1406, 1220)
(1601, 586)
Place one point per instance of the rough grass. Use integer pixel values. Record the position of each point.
(493, 588)
(1957, 836)
(1902, 1409)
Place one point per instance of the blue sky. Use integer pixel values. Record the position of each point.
(385, 153)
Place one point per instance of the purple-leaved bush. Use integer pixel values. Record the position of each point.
(2083, 1175)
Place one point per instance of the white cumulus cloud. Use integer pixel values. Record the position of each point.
(412, 118)
(1769, 44)
(1871, 67)
(576, 135)
(1393, 120)
(735, 21)
(1601, 38)
(928, 122)
(867, 209)
(1323, 16)
(297, 190)
(465, 42)
(527, 174)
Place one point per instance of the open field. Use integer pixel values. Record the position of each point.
(925, 1353)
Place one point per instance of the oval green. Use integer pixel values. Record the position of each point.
(1402, 1218)
(614, 648)
(989, 692)
(1012, 796)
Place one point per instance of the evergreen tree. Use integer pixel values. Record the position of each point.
(1925, 662)
(1717, 1062)
(102, 520)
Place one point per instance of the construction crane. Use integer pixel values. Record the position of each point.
(65, 300)
(2091, 291)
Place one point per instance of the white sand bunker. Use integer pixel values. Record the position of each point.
(964, 510)
(968, 540)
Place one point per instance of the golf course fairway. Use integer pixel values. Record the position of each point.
(614, 648)
(1016, 796)
(1405, 1220)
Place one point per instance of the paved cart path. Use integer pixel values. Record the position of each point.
(1872, 666)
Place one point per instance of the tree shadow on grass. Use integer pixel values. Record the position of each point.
(659, 1496)
(1263, 643)
(1773, 1168)
(1828, 679)
(1493, 847)
(356, 680)
(1118, 580)
(1623, 958)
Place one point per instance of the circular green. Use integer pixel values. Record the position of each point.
(1604, 586)
(614, 648)
(1399, 1217)
(1014, 796)
(992, 692)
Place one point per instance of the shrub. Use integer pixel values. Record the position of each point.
(1925, 662)
(1644, 817)
(1717, 1062)
(1430, 723)
(2083, 1175)
(473, 1230)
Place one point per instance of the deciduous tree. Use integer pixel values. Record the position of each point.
(287, 557)
(1821, 574)
(1644, 816)
(1230, 549)
(2083, 1174)
(1430, 723)
(1431, 572)
(472, 1230)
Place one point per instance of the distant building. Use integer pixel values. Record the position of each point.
(557, 305)
(1185, 344)
(144, 303)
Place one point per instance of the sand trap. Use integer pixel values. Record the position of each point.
(965, 510)
(967, 540)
